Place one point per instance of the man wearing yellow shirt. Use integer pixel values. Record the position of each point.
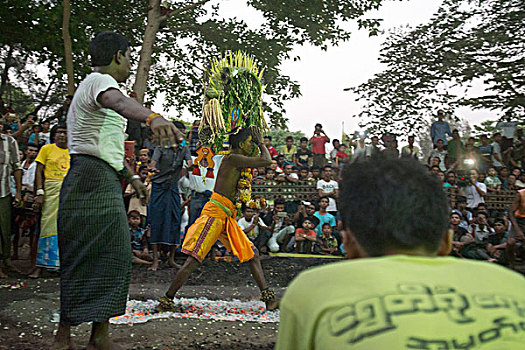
(399, 291)
(52, 166)
(289, 150)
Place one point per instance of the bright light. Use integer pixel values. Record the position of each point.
(469, 161)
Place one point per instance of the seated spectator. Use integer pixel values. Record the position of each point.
(270, 174)
(503, 174)
(451, 178)
(304, 237)
(316, 172)
(326, 243)
(459, 235)
(492, 181)
(289, 150)
(341, 156)
(135, 203)
(254, 228)
(510, 184)
(474, 190)
(305, 210)
(261, 174)
(323, 216)
(476, 245)
(303, 157)
(482, 176)
(303, 174)
(287, 175)
(139, 240)
(485, 150)
(271, 149)
(520, 183)
(333, 152)
(376, 300)
(280, 225)
(497, 242)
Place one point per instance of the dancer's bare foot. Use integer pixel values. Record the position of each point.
(103, 344)
(63, 345)
(2, 274)
(272, 304)
(63, 338)
(155, 266)
(36, 273)
(166, 304)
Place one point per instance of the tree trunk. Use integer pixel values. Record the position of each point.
(152, 27)
(4, 79)
(68, 49)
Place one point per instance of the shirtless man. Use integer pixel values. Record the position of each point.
(217, 220)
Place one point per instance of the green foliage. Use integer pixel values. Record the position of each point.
(464, 42)
(279, 137)
(488, 127)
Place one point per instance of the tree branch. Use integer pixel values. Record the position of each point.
(183, 9)
(44, 98)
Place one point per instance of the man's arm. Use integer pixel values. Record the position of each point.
(479, 190)
(264, 159)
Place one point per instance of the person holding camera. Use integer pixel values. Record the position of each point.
(474, 191)
(318, 143)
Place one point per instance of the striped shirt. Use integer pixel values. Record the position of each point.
(9, 162)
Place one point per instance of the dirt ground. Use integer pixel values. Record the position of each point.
(26, 312)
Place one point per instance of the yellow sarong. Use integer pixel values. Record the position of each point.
(217, 222)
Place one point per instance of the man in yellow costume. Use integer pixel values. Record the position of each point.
(217, 220)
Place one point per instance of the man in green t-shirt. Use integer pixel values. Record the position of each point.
(399, 291)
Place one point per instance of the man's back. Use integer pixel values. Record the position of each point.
(400, 302)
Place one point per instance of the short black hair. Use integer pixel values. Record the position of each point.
(303, 139)
(239, 137)
(289, 138)
(105, 45)
(326, 224)
(383, 210)
(334, 141)
(278, 201)
(179, 125)
(31, 144)
(323, 197)
(268, 137)
(318, 125)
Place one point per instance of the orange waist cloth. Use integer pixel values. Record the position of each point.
(520, 212)
(217, 221)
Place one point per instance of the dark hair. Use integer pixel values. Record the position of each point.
(326, 224)
(499, 220)
(179, 125)
(497, 134)
(383, 210)
(327, 167)
(31, 144)
(278, 201)
(69, 97)
(315, 167)
(289, 138)
(141, 168)
(239, 137)
(303, 139)
(53, 131)
(323, 197)
(105, 45)
(334, 141)
(131, 212)
(318, 125)
(268, 137)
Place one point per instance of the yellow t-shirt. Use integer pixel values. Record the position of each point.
(404, 302)
(55, 161)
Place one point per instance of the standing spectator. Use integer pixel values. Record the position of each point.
(361, 151)
(144, 158)
(271, 149)
(9, 165)
(164, 212)
(508, 128)
(318, 143)
(51, 169)
(497, 158)
(391, 150)
(326, 187)
(333, 152)
(12, 120)
(149, 141)
(253, 226)
(373, 149)
(303, 157)
(410, 150)
(289, 150)
(324, 216)
(440, 129)
(485, 150)
(41, 136)
(94, 242)
(440, 153)
(474, 191)
(455, 147)
(61, 113)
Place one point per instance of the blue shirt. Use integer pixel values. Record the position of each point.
(138, 238)
(439, 131)
(323, 219)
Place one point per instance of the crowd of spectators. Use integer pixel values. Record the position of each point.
(476, 167)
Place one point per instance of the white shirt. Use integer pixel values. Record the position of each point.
(507, 129)
(329, 187)
(473, 197)
(441, 155)
(93, 129)
(201, 183)
(245, 224)
(28, 176)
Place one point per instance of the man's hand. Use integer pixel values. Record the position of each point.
(256, 134)
(37, 205)
(141, 191)
(166, 134)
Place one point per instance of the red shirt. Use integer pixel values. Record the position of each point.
(318, 144)
(341, 155)
(300, 231)
(272, 151)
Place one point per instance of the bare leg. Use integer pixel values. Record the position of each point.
(99, 339)
(63, 338)
(155, 265)
(171, 259)
(2, 274)
(258, 274)
(190, 265)
(36, 273)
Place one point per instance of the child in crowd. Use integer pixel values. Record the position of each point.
(492, 180)
(341, 157)
(139, 242)
(135, 203)
(305, 237)
(326, 243)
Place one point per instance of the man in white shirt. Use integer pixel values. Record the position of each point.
(254, 227)
(497, 161)
(326, 187)
(29, 167)
(474, 191)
